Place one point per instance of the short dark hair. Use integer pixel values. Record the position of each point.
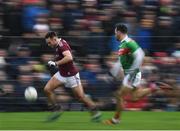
(122, 28)
(50, 34)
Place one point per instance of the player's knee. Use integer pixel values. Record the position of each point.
(81, 98)
(118, 95)
(47, 89)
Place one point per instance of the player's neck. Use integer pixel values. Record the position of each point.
(124, 37)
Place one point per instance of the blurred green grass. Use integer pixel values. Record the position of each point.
(132, 120)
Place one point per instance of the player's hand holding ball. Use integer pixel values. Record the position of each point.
(52, 63)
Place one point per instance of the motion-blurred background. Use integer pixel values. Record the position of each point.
(88, 25)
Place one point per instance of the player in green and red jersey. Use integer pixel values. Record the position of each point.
(130, 60)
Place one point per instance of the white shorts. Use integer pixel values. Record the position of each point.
(69, 82)
(132, 81)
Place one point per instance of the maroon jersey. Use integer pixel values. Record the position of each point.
(67, 69)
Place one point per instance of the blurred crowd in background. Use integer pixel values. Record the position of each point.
(88, 25)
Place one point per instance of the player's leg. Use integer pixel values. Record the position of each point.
(52, 84)
(139, 93)
(119, 94)
(120, 101)
(49, 88)
(142, 92)
(75, 83)
(79, 93)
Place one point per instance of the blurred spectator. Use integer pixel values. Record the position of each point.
(158, 101)
(7, 96)
(31, 10)
(3, 55)
(113, 45)
(13, 16)
(176, 52)
(137, 7)
(96, 44)
(95, 80)
(40, 72)
(145, 31)
(3, 76)
(24, 80)
(166, 8)
(148, 67)
(72, 12)
(105, 18)
(163, 34)
(131, 23)
(41, 26)
(138, 105)
(57, 17)
(21, 58)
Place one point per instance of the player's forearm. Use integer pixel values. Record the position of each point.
(138, 59)
(65, 60)
(116, 70)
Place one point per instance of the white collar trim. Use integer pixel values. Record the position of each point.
(59, 42)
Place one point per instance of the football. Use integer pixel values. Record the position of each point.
(30, 94)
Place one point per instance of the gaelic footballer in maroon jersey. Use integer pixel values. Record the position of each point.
(67, 75)
(67, 69)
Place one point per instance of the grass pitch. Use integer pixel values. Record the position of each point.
(81, 121)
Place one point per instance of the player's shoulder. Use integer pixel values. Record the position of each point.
(63, 45)
(62, 42)
(130, 40)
